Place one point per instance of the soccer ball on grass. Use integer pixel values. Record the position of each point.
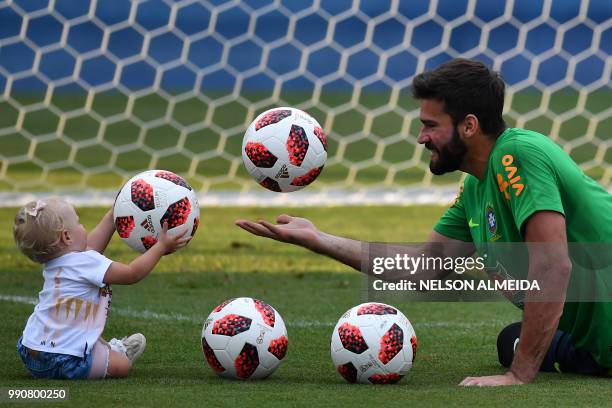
(244, 338)
(373, 343)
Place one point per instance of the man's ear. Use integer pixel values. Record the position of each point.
(66, 238)
(470, 125)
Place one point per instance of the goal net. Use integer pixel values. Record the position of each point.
(92, 92)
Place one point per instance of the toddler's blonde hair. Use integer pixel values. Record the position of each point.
(38, 229)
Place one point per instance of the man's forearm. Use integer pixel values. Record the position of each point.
(346, 250)
(358, 254)
(540, 323)
(543, 310)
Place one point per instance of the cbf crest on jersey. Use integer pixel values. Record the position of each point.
(492, 223)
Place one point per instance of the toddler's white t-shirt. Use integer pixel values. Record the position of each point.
(72, 306)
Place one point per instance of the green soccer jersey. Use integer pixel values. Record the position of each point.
(527, 173)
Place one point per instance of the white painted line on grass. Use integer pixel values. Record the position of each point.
(19, 299)
(128, 312)
(147, 314)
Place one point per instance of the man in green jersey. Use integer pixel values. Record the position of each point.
(520, 187)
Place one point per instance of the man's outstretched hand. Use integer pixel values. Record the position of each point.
(293, 230)
(492, 380)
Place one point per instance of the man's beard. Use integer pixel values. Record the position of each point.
(450, 157)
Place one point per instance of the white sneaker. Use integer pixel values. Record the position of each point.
(134, 345)
(117, 345)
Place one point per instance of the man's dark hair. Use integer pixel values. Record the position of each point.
(466, 87)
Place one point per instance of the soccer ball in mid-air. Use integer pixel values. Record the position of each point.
(373, 343)
(284, 149)
(244, 338)
(148, 200)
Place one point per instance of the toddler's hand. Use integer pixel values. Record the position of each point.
(172, 242)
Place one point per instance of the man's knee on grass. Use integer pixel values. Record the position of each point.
(507, 344)
(507, 341)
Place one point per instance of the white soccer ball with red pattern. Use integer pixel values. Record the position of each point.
(149, 199)
(284, 149)
(244, 338)
(373, 343)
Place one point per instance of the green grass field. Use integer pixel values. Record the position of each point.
(311, 292)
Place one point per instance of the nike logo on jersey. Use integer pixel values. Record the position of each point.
(472, 224)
